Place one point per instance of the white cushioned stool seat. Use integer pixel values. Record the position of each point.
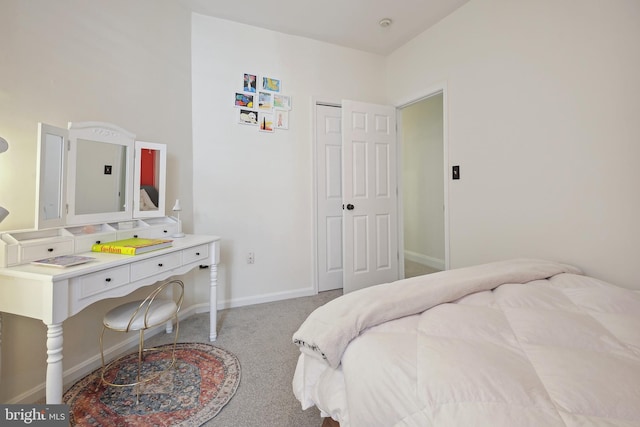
(159, 311)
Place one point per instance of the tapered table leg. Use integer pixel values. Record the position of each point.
(54, 363)
(213, 303)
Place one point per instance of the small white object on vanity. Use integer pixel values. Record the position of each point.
(95, 184)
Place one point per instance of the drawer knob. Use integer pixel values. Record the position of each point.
(197, 253)
(108, 279)
(160, 264)
(50, 250)
(97, 242)
(135, 235)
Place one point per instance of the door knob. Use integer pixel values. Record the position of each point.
(350, 207)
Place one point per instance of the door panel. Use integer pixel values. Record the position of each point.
(334, 248)
(383, 243)
(369, 183)
(329, 197)
(361, 243)
(382, 170)
(333, 167)
(359, 169)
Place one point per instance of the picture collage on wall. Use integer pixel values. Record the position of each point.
(262, 104)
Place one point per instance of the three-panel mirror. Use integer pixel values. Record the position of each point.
(96, 172)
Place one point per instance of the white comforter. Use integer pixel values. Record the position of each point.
(524, 343)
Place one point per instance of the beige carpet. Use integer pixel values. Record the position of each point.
(412, 269)
(260, 337)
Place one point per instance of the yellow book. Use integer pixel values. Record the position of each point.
(133, 246)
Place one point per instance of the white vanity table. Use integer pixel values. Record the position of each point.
(68, 222)
(53, 294)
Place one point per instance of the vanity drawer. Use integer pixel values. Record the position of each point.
(128, 234)
(32, 252)
(195, 254)
(158, 232)
(95, 283)
(155, 265)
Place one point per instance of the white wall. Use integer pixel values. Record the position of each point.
(255, 189)
(544, 100)
(119, 61)
(69, 60)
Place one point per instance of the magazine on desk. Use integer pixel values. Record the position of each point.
(62, 261)
(133, 246)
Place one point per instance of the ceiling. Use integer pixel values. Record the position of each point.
(349, 23)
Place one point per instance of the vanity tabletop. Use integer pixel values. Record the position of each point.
(102, 261)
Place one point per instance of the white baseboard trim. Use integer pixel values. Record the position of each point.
(261, 299)
(424, 260)
(73, 374)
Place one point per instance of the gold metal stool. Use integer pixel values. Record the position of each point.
(156, 309)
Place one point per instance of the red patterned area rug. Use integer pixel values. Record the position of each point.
(203, 380)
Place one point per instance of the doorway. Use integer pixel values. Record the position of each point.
(421, 136)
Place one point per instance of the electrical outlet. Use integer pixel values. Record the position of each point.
(251, 258)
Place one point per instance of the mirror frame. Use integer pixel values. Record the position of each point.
(107, 133)
(161, 175)
(44, 181)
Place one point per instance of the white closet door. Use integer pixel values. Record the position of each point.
(329, 196)
(369, 183)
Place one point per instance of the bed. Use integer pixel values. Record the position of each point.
(521, 342)
(148, 198)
